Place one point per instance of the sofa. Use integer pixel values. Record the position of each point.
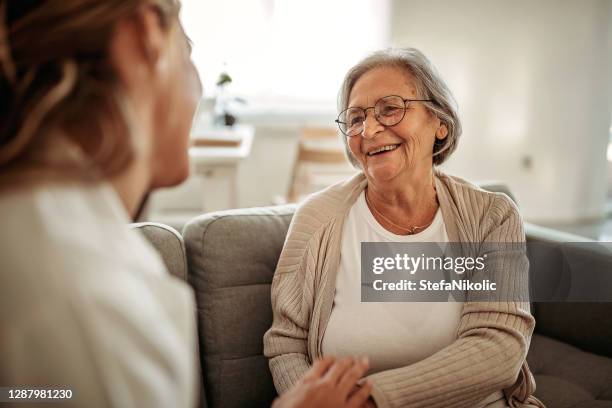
(230, 261)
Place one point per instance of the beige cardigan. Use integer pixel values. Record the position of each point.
(492, 338)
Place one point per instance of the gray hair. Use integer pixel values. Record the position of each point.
(429, 85)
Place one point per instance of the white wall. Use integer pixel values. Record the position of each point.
(534, 82)
(266, 173)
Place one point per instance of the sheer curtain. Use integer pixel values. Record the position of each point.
(283, 53)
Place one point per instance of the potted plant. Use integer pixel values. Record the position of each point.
(223, 116)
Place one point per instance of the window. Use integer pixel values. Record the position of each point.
(283, 52)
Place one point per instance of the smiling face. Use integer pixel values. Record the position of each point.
(388, 153)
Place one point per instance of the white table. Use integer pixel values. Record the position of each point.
(213, 184)
(218, 165)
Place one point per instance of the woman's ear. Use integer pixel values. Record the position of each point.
(441, 132)
(139, 46)
(153, 35)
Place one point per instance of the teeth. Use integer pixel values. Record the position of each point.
(383, 149)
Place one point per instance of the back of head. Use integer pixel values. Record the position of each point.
(61, 110)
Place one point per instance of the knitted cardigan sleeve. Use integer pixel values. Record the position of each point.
(286, 342)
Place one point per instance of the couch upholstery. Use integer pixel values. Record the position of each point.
(567, 376)
(171, 247)
(169, 243)
(571, 350)
(232, 256)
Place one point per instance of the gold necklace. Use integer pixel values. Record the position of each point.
(410, 230)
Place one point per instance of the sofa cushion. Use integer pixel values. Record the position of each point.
(560, 264)
(587, 326)
(168, 243)
(569, 377)
(232, 256)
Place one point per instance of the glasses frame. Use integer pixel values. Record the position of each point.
(376, 116)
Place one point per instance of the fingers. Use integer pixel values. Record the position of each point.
(352, 375)
(361, 396)
(319, 368)
(336, 372)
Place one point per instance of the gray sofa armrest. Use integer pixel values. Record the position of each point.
(232, 256)
(537, 233)
(169, 243)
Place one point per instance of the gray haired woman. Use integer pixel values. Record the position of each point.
(399, 122)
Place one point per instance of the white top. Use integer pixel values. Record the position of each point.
(88, 305)
(391, 334)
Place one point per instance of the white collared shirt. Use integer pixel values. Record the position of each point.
(86, 304)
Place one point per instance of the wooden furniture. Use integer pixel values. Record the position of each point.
(320, 162)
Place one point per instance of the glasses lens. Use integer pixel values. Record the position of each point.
(390, 110)
(351, 121)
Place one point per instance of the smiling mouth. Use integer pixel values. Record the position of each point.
(383, 149)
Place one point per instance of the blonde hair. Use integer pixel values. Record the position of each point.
(62, 110)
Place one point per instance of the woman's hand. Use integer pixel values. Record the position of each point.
(369, 403)
(329, 384)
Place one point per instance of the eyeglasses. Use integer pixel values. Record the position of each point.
(388, 111)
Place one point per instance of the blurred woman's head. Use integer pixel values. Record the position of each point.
(89, 88)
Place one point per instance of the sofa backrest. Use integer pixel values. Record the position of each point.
(587, 325)
(232, 256)
(168, 243)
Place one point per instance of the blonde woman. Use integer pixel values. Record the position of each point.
(97, 98)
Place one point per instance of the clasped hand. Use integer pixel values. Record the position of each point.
(330, 384)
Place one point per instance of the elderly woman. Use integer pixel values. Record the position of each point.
(398, 123)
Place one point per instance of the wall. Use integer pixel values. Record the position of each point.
(266, 174)
(533, 81)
